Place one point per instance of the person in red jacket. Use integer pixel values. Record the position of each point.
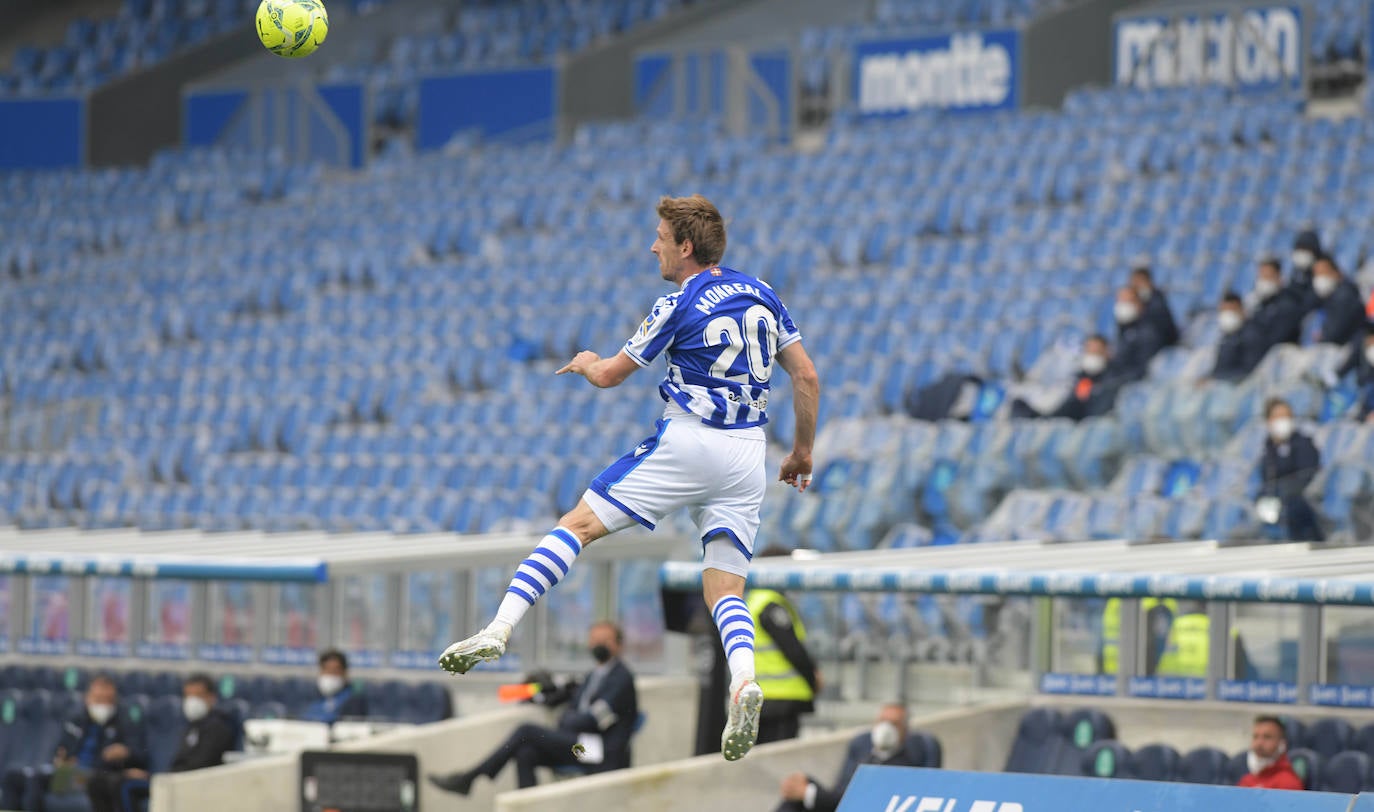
(1267, 760)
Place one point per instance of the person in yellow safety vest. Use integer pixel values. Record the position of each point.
(783, 667)
(1111, 627)
(1186, 652)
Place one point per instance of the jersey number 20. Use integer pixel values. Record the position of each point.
(744, 335)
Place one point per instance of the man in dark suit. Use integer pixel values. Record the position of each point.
(1279, 308)
(100, 736)
(1342, 309)
(1241, 346)
(1137, 339)
(210, 733)
(1290, 463)
(1157, 312)
(887, 744)
(601, 718)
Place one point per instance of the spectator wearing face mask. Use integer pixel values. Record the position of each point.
(1137, 341)
(210, 733)
(339, 699)
(1241, 347)
(97, 737)
(1307, 246)
(1157, 312)
(886, 744)
(1289, 464)
(1266, 762)
(1093, 393)
(1342, 311)
(601, 717)
(1278, 309)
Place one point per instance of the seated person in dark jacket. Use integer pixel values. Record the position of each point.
(1341, 307)
(1136, 342)
(210, 733)
(1241, 347)
(602, 716)
(339, 699)
(97, 737)
(1361, 363)
(1290, 463)
(1278, 308)
(1093, 393)
(886, 744)
(1307, 247)
(1157, 313)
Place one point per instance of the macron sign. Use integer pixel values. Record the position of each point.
(1248, 48)
(967, 71)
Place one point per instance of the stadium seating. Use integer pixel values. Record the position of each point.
(1205, 765)
(1155, 762)
(1104, 759)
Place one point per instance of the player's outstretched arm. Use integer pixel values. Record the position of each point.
(806, 398)
(601, 372)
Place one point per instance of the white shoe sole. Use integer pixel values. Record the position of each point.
(460, 657)
(742, 730)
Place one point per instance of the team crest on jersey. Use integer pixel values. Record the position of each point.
(716, 272)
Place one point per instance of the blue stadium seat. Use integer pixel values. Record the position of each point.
(164, 727)
(1103, 759)
(1205, 765)
(1079, 730)
(1155, 762)
(1037, 744)
(1328, 736)
(1346, 773)
(1306, 763)
(1363, 740)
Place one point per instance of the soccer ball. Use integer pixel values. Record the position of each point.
(292, 27)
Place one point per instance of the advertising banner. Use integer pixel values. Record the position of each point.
(1250, 48)
(908, 789)
(969, 71)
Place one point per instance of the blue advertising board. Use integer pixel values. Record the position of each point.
(1250, 48)
(967, 71)
(909, 789)
(521, 101)
(48, 133)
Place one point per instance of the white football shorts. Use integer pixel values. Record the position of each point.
(719, 475)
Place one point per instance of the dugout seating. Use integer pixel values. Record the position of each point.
(252, 696)
(1324, 753)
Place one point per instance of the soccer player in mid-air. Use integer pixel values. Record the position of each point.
(724, 332)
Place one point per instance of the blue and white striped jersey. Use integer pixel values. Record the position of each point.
(722, 332)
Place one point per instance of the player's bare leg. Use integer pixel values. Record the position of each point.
(544, 568)
(724, 593)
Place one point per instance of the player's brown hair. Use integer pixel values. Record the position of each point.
(695, 218)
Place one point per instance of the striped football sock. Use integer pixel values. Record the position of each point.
(537, 574)
(736, 627)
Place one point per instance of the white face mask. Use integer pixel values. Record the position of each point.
(1325, 285)
(1126, 312)
(1093, 364)
(100, 714)
(1229, 321)
(1265, 288)
(1256, 765)
(1369, 354)
(330, 684)
(887, 739)
(1302, 258)
(194, 708)
(1281, 428)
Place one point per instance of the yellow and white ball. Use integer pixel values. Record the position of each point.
(292, 28)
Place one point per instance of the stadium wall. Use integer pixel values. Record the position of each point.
(1068, 48)
(262, 785)
(130, 119)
